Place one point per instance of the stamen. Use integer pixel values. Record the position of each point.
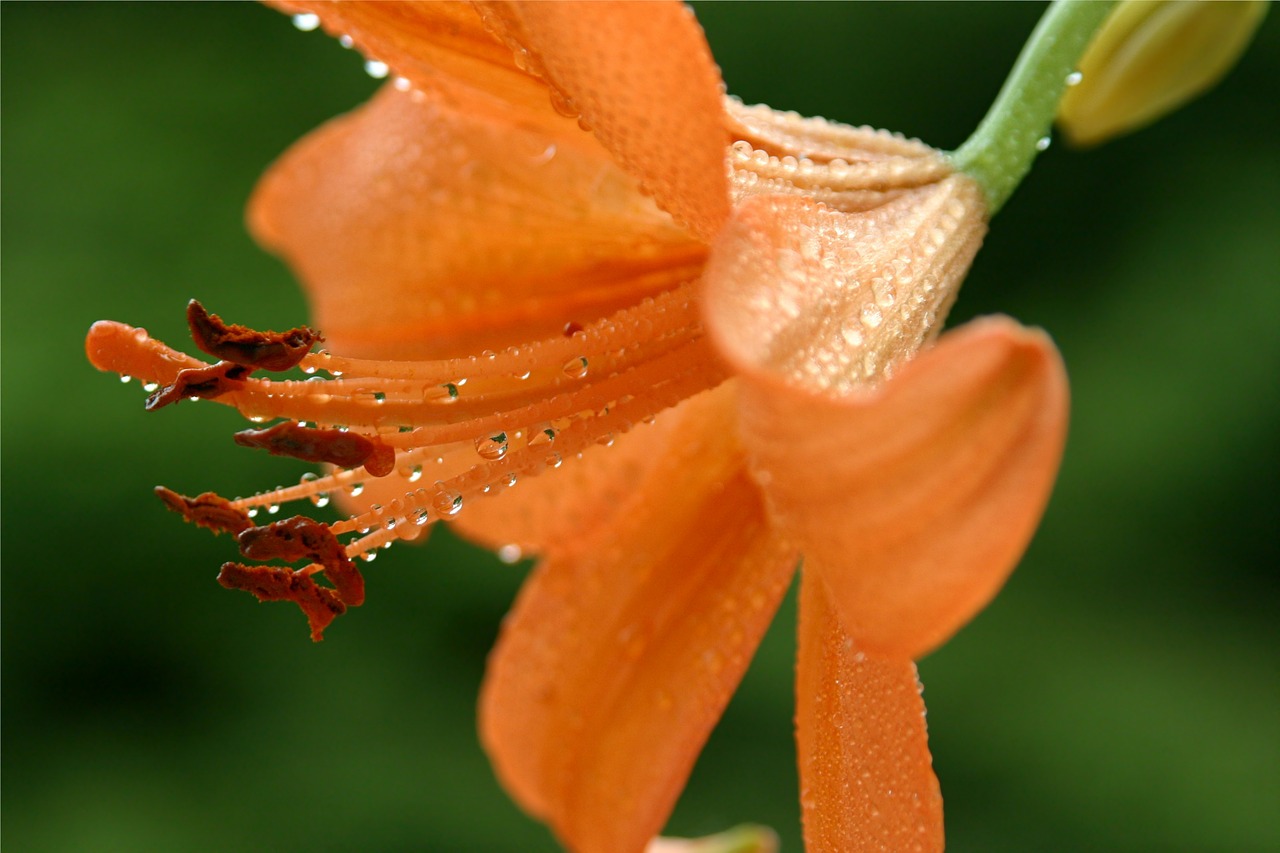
(206, 510)
(197, 383)
(337, 447)
(470, 427)
(300, 538)
(241, 345)
(275, 583)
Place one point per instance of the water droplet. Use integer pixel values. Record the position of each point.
(871, 316)
(369, 556)
(150, 386)
(446, 501)
(575, 368)
(564, 106)
(451, 392)
(605, 440)
(375, 69)
(272, 509)
(257, 419)
(306, 21)
(355, 489)
(554, 460)
(884, 292)
(492, 447)
(390, 523)
(851, 333)
(415, 474)
(510, 553)
(320, 499)
(379, 397)
(542, 435)
(510, 480)
(252, 512)
(125, 378)
(1042, 144)
(1074, 78)
(308, 369)
(346, 41)
(402, 84)
(421, 516)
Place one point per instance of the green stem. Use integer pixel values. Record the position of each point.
(999, 153)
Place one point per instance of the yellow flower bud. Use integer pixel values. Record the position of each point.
(1151, 57)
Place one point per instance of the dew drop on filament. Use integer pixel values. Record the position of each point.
(492, 447)
(446, 502)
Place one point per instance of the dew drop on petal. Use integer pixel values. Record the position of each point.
(510, 553)
(306, 21)
(575, 368)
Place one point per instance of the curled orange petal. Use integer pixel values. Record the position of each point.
(913, 501)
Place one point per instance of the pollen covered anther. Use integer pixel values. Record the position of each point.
(337, 447)
(300, 538)
(274, 351)
(276, 583)
(206, 510)
(200, 383)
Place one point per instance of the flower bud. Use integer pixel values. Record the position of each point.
(1149, 58)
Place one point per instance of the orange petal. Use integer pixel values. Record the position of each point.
(616, 662)
(827, 299)
(866, 777)
(641, 76)
(420, 229)
(439, 46)
(913, 501)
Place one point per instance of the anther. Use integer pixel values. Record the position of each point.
(300, 538)
(242, 345)
(201, 383)
(344, 449)
(206, 510)
(276, 583)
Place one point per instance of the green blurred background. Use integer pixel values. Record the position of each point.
(1121, 694)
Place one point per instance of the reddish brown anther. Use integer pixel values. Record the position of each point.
(276, 583)
(206, 510)
(301, 538)
(248, 347)
(344, 449)
(200, 383)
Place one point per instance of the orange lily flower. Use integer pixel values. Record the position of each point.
(666, 342)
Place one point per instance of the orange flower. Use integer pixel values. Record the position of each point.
(698, 360)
